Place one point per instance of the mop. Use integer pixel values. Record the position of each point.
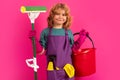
(33, 13)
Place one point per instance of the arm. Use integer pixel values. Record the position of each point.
(43, 37)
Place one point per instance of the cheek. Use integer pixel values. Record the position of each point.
(56, 16)
(65, 18)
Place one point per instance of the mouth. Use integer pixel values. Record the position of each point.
(59, 19)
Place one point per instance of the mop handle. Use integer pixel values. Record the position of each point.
(33, 42)
(34, 51)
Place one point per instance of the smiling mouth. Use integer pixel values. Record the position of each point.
(59, 20)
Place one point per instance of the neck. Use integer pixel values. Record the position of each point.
(57, 26)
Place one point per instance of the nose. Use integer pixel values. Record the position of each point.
(60, 16)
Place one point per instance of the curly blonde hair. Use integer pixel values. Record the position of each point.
(53, 12)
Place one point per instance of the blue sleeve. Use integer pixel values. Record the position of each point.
(43, 37)
(71, 38)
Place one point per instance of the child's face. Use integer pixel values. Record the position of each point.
(59, 17)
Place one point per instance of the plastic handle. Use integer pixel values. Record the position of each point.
(34, 65)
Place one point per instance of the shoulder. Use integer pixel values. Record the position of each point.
(45, 31)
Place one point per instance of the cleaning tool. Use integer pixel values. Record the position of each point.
(82, 36)
(84, 60)
(51, 65)
(69, 69)
(27, 9)
(33, 13)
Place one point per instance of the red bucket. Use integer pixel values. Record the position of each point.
(84, 61)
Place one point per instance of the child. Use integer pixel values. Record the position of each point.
(57, 40)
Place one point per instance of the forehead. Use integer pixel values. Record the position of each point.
(59, 10)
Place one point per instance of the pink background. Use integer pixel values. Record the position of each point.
(100, 17)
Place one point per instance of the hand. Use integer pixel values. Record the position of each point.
(42, 52)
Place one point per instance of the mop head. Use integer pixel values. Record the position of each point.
(27, 9)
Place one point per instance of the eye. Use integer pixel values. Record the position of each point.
(57, 13)
(63, 15)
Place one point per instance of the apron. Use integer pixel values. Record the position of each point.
(58, 51)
